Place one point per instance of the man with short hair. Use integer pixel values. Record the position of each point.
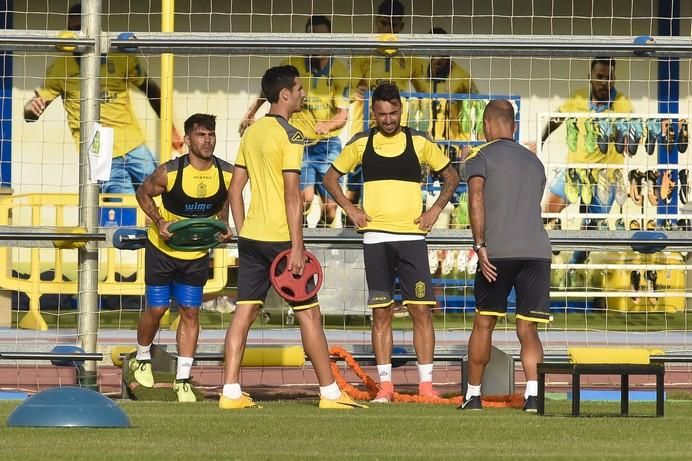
(583, 144)
(512, 246)
(132, 159)
(445, 77)
(269, 157)
(588, 142)
(192, 186)
(394, 227)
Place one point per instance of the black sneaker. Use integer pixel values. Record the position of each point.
(683, 137)
(474, 403)
(653, 131)
(684, 189)
(531, 404)
(669, 136)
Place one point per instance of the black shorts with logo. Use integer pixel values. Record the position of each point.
(531, 280)
(254, 261)
(161, 269)
(409, 261)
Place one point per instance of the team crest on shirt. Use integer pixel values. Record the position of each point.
(420, 289)
(201, 190)
(297, 137)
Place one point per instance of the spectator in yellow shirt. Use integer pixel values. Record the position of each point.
(132, 160)
(321, 119)
(582, 135)
(369, 72)
(589, 142)
(445, 78)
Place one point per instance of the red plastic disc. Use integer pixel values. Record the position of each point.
(292, 287)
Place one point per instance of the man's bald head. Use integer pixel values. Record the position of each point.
(499, 109)
(498, 120)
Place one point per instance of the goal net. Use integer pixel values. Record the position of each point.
(601, 92)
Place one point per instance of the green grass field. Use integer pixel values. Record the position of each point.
(298, 430)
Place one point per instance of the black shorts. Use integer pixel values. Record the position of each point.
(254, 261)
(531, 280)
(161, 269)
(407, 260)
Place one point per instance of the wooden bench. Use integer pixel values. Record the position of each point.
(624, 370)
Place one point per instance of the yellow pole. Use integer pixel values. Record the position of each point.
(167, 18)
(33, 320)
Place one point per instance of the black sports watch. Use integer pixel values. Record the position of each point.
(478, 246)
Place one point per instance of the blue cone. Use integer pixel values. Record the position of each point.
(648, 248)
(67, 349)
(68, 407)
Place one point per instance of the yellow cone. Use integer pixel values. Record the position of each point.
(66, 34)
(286, 356)
(387, 51)
(69, 244)
(118, 351)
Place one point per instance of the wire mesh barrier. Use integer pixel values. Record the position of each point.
(601, 92)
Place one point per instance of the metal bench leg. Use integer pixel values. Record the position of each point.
(659, 394)
(624, 394)
(541, 393)
(576, 393)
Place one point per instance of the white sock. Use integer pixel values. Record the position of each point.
(143, 352)
(184, 367)
(232, 391)
(331, 392)
(531, 389)
(385, 372)
(472, 391)
(425, 372)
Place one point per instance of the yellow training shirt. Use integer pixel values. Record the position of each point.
(195, 183)
(118, 70)
(376, 70)
(445, 111)
(268, 148)
(580, 101)
(391, 176)
(326, 92)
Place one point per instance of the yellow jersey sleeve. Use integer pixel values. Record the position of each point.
(135, 71)
(577, 102)
(462, 81)
(350, 157)
(622, 104)
(568, 106)
(430, 153)
(361, 68)
(340, 80)
(292, 155)
(53, 83)
(240, 156)
(418, 73)
(356, 72)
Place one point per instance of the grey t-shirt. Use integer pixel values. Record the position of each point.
(513, 189)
